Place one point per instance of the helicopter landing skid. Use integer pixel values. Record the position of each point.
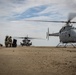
(65, 45)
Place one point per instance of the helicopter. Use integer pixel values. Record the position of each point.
(26, 40)
(67, 34)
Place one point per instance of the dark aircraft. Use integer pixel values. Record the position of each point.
(26, 40)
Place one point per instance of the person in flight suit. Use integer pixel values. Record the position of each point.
(6, 41)
(10, 41)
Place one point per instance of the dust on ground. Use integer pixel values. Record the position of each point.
(37, 61)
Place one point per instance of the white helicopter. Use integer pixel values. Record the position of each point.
(66, 34)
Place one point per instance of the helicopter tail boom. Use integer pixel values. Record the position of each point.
(53, 34)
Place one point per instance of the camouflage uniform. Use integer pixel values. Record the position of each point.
(10, 41)
(6, 41)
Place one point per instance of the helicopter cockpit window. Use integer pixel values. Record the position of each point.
(62, 29)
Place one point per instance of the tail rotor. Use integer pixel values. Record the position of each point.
(47, 34)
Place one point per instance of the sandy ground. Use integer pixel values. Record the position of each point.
(37, 61)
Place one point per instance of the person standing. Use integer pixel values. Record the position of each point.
(6, 41)
(10, 41)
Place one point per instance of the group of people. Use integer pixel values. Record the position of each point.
(8, 41)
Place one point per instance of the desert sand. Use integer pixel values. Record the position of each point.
(37, 61)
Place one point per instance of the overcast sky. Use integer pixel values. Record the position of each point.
(13, 14)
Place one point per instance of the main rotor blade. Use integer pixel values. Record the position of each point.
(52, 21)
(19, 37)
(71, 16)
(27, 38)
(24, 37)
(46, 21)
(72, 22)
